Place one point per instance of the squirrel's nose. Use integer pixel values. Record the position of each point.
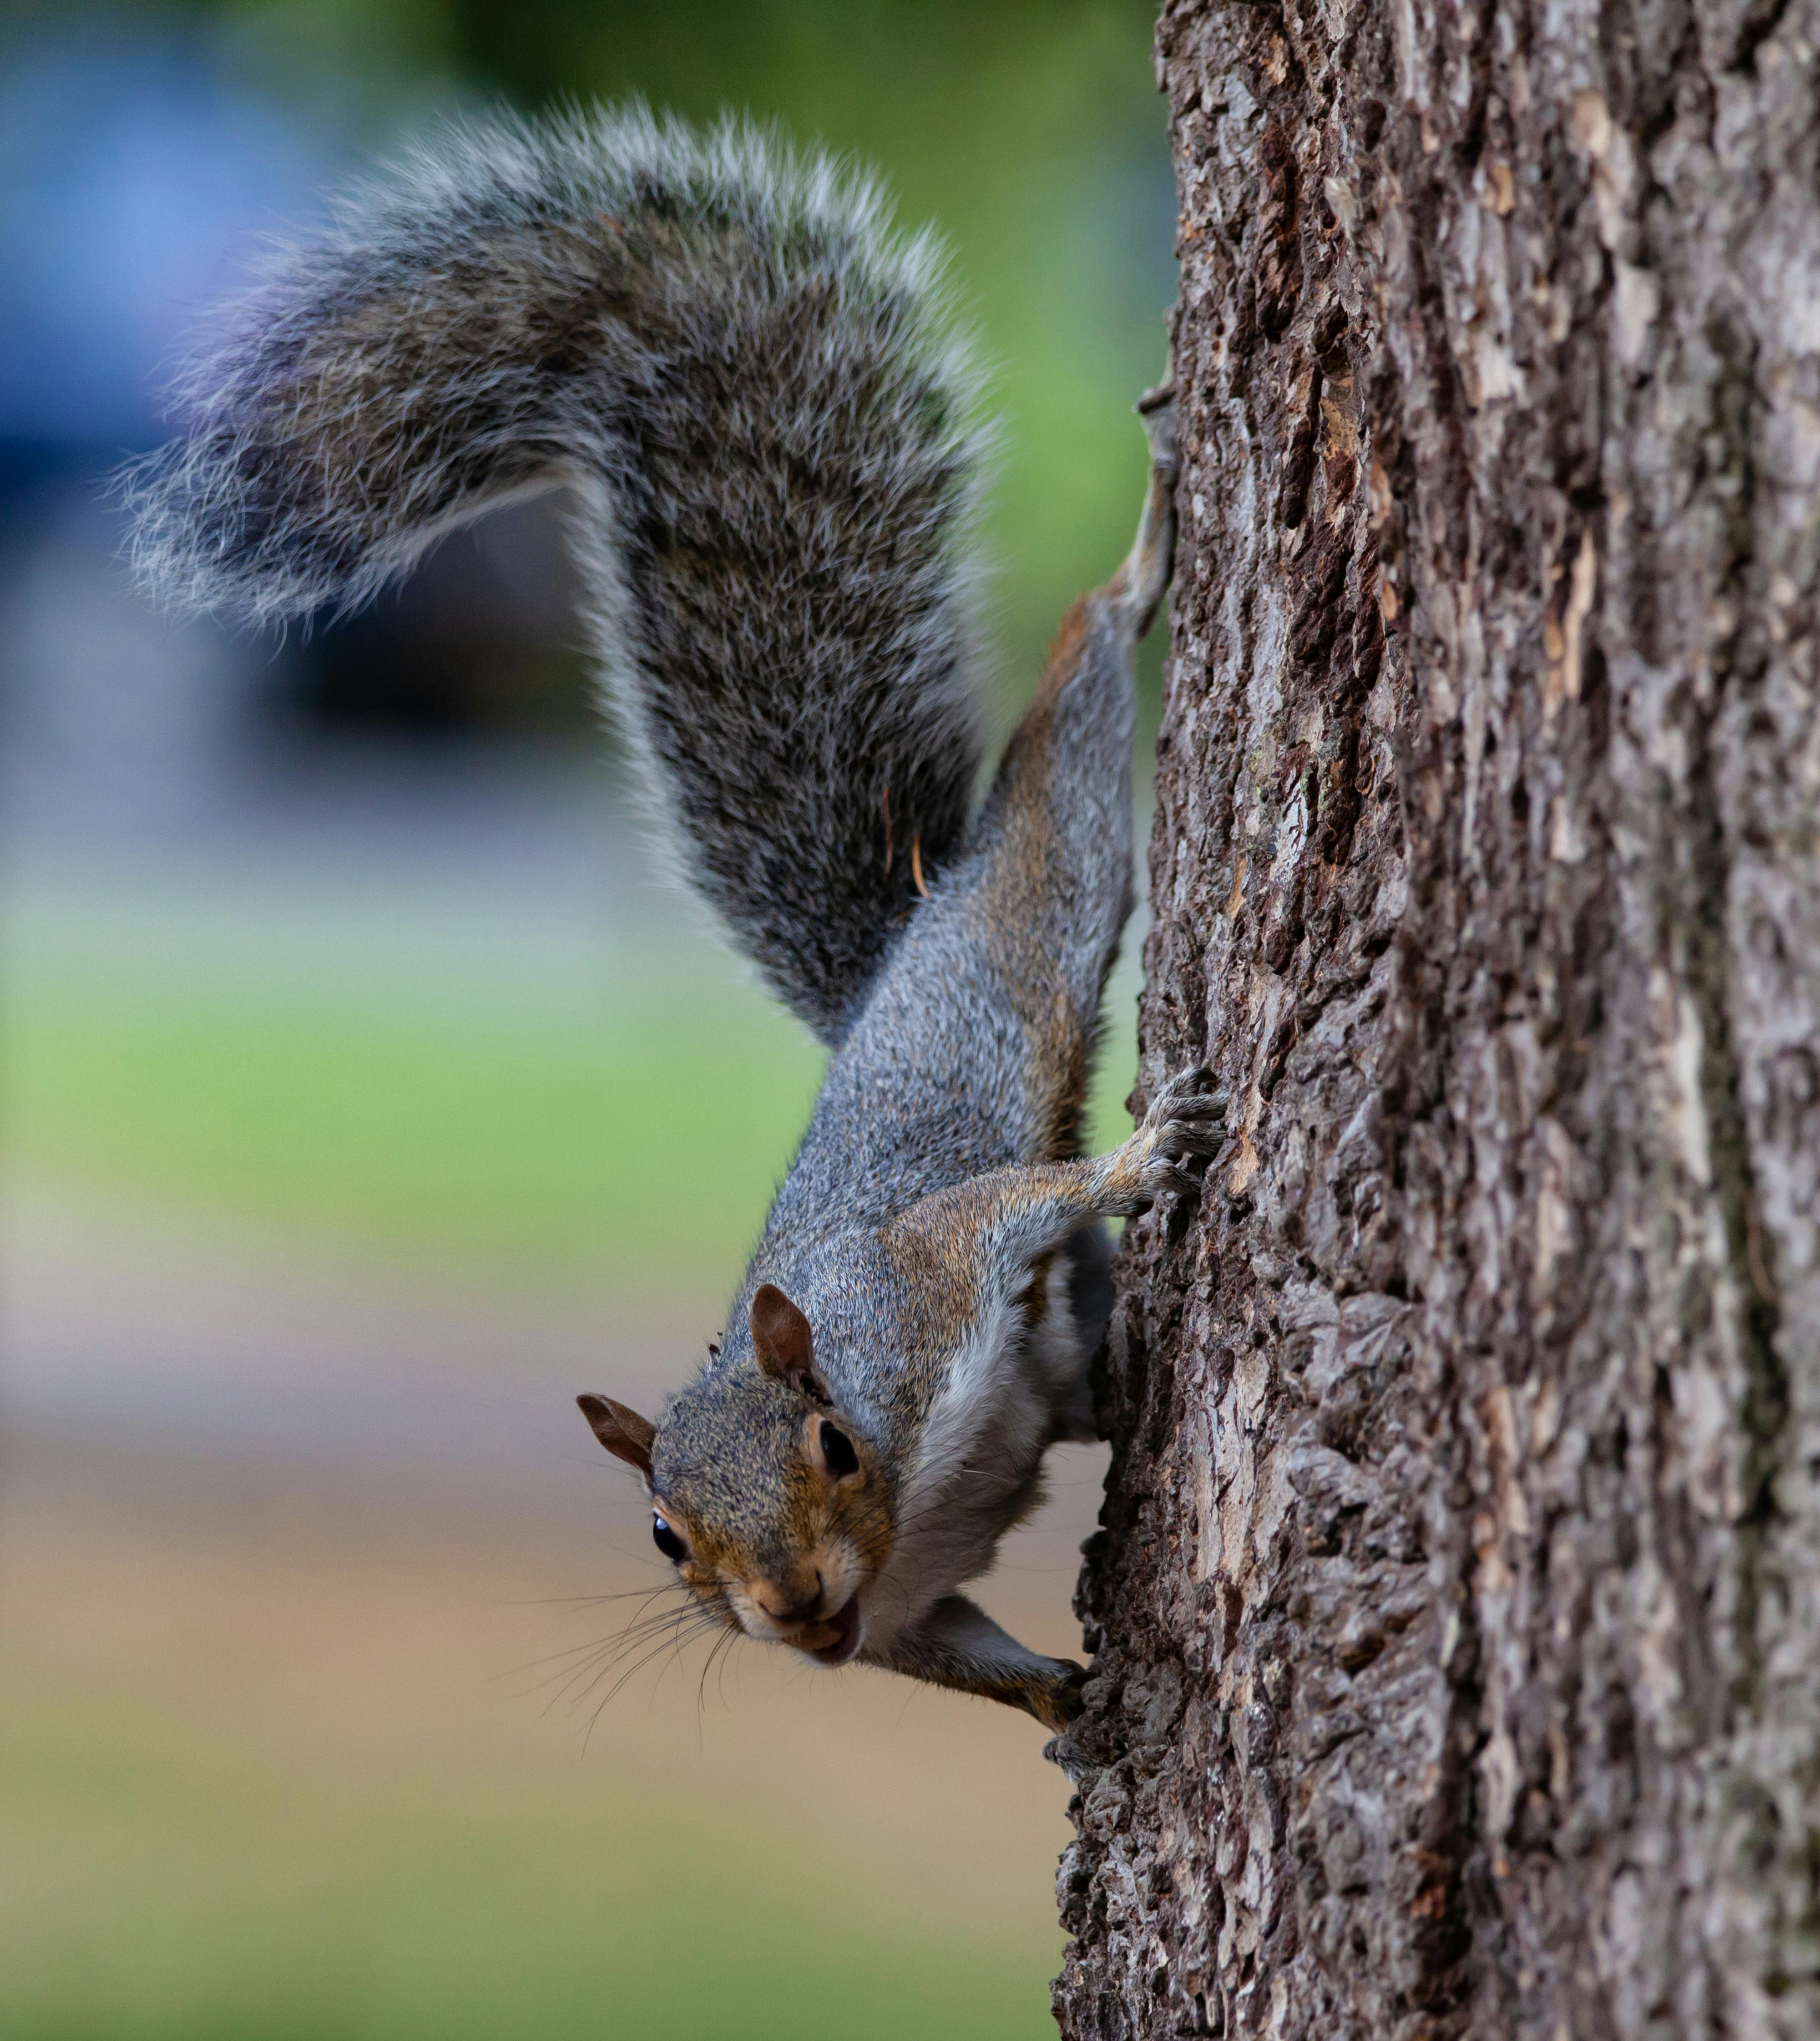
(786, 1604)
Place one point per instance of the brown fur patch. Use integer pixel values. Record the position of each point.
(1065, 652)
(1020, 899)
(1037, 1308)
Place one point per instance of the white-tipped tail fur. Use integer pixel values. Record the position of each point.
(753, 383)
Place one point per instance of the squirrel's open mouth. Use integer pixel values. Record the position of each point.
(844, 1624)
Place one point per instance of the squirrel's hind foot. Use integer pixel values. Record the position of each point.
(1157, 411)
(1138, 587)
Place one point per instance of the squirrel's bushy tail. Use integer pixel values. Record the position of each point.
(753, 384)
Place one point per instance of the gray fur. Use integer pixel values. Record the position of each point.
(927, 1101)
(754, 387)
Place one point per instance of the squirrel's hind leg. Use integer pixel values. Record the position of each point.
(958, 1645)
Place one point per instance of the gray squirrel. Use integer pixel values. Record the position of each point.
(751, 385)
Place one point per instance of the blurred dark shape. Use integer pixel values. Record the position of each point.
(481, 640)
(134, 178)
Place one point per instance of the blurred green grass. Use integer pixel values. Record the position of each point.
(419, 1919)
(639, 1146)
(620, 1146)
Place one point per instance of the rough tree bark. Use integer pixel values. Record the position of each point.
(1457, 1608)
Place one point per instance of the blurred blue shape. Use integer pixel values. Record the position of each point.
(131, 181)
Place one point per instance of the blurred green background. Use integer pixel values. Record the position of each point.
(364, 1095)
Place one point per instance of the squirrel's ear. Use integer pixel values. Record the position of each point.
(781, 1339)
(624, 1432)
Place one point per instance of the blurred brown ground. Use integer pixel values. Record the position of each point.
(303, 1534)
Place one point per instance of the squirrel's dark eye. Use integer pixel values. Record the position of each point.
(667, 1542)
(838, 1454)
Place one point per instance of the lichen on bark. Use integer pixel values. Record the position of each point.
(1457, 1608)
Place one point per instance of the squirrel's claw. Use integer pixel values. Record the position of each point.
(1183, 1129)
(1183, 1114)
(1184, 1084)
(1062, 1750)
(1160, 1177)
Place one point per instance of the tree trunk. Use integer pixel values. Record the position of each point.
(1457, 1608)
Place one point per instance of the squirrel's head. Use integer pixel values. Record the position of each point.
(766, 1498)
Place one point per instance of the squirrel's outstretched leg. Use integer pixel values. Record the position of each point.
(957, 1644)
(999, 1227)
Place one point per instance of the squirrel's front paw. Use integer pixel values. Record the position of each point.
(1056, 1698)
(1185, 1127)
